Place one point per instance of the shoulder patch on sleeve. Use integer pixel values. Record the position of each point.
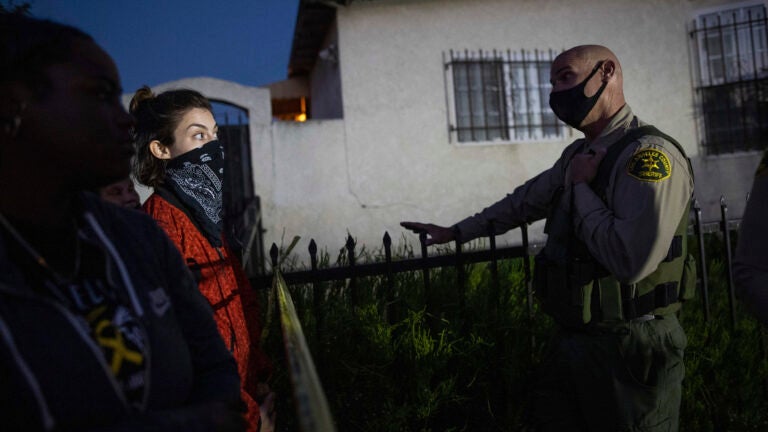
(762, 169)
(649, 165)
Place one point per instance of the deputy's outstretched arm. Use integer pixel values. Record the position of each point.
(528, 203)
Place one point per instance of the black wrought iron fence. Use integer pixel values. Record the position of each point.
(389, 267)
(508, 339)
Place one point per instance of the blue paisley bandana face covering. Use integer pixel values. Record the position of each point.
(196, 178)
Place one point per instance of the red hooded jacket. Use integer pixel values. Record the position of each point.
(222, 281)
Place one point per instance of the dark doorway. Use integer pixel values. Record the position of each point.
(242, 208)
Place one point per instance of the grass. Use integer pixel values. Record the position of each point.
(456, 359)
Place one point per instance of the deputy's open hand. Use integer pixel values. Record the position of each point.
(435, 234)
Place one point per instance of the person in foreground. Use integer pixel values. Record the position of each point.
(122, 193)
(612, 271)
(101, 325)
(750, 264)
(180, 156)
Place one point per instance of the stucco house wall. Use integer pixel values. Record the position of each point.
(391, 157)
(395, 107)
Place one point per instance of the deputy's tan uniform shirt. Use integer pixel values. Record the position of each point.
(629, 234)
(751, 262)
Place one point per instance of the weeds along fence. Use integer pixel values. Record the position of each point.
(389, 267)
(408, 341)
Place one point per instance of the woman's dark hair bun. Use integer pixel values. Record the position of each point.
(142, 94)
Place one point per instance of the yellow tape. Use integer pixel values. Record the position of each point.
(312, 406)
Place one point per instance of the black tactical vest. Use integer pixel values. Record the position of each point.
(576, 290)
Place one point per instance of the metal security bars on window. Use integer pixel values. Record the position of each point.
(730, 50)
(500, 95)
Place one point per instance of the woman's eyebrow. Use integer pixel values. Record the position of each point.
(202, 126)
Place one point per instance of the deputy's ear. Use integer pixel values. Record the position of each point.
(159, 150)
(609, 70)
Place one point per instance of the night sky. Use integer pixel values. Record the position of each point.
(155, 41)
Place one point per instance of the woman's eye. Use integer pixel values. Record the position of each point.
(199, 135)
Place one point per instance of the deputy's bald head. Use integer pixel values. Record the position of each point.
(590, 55)
(594, 71)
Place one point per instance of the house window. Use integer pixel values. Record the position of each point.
(479, 92)
(501, 96)
(732, 78)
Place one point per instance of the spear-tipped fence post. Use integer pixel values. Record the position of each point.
(494, 302)
(699, 232)
(390, 290)
(528, 283)
(350, 246)
(317, 293)
(425, 272)
(461, 276)
(273, 307)
(493, 298)
(273, 254)
(727, 236)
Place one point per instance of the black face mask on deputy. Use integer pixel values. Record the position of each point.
(571, 105)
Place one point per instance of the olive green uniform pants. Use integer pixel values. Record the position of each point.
(617, 377)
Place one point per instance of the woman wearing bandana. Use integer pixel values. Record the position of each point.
(178, 155)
